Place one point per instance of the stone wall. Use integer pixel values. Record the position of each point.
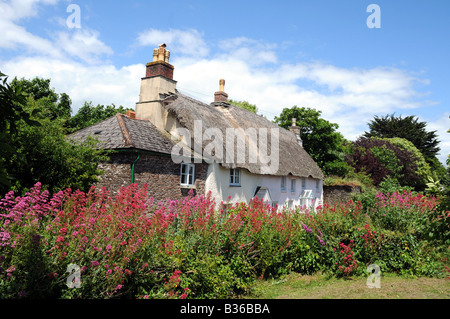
(339, 193)
(160, 173)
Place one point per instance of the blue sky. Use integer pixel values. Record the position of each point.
(320, 54)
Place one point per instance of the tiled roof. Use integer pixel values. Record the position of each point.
(123, 132)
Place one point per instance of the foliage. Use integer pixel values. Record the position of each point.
(12, 113)
(423, 169)
(245, 105)
(127, 246)
(58, 105)
(380, 159)
(89, 115)
(408, 128)
(320, 138)
(337, 180)
(34, 143)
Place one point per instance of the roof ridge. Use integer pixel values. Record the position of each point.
(125, 132)
(90, 126)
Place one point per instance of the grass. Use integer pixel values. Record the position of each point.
(318, 286)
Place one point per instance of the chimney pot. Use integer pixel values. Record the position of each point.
(221, 96)
(160, 64)
(131, 114)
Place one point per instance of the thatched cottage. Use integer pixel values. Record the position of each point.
(176, 143)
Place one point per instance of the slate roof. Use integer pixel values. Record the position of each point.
(122, 132)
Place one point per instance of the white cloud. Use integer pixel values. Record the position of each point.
(83, 44)
(15, 10)
(18, 38)
(251, 51)
(103, 84)
(183, 42)
(442, 125)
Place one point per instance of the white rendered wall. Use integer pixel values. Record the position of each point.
(218, 182)
(282, 197)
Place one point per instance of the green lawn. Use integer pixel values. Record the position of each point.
(296, 286)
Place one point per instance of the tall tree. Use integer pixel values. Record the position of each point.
(12, 114)
(89, 115)
(33, 143)
(388, 158)
(59, 106)
(320, 138)
(409, 128)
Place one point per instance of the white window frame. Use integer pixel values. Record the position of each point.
(187, 173)
(235, 179)
(283, 183)
(306, 198)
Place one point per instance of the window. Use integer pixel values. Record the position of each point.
(318, 184)
(306, 199)
(293, 185)
(283, 183)
(303, 183)
(187, 174)
(235, 177)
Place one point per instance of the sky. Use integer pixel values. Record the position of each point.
(343, 58)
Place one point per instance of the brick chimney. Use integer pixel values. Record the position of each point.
(160, 64)
(221, 96)
(155, 87)
(296, 130)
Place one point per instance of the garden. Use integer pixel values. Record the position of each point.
(92, 245)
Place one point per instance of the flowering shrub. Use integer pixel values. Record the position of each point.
(402, 211)
(346, 263)
(128, 246)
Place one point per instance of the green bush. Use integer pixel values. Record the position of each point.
(128, 247)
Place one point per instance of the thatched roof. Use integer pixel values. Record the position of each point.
(293, 159)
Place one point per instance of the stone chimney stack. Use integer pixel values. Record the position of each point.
(296, 130)
(156, 86)
(221, 96)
